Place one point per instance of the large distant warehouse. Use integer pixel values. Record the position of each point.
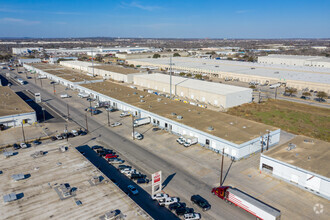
(216, 131)
(293, 76)
(292, 60)
(13, 110)
(303, 162)
(225, 96)
(114, 72)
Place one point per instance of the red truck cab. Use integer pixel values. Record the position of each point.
(220, 191)
(108, 156)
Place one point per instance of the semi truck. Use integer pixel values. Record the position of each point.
(250, 204)
(141, 121)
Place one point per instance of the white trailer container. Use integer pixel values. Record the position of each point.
(252, 205)
(83, 95)
(276, 85)
(190, 141)
(141, 121)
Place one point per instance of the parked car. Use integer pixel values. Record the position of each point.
(53, 138)
(83, 133)
(137, 135)
(155, 129)
(115, 124)
(184, 210)
(135, 176)
(304, 97)
(110, 109)
(75, 133)
(142, 181)
(126, 170)
(36, 142)
(16, 146)
(168, 201)
(124, 114)
(59, 137)
(176, 205)
(132, 189)
(120, 167)
(116, 160)
(23, 145)
(190, 216)
(96, 147)
(160, 196)
(319, 100)
(201, 202)
(108, 156)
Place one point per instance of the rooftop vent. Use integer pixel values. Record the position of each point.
(244, 127)
(231, 123)
(309, 157)
(173, 113)
(141, 96)
(291, 146)
(210, 128)
(179, 117)
(308, 141)
(143, 101)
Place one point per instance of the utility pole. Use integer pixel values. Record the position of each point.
(108, 118)
(35, 78)
(41, 82)
(222, 158)
(268, 140)
(67, 134)
(86, 122)
(133, 127)
(67, 105)
(259, 96)
(275, 92)
(54, 88)
(23, 133)
(90, 106)
(170, 77)
(262, 143)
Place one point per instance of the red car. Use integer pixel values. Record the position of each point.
(108, 156)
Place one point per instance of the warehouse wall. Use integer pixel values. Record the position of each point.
(17, 120)
(304, 179)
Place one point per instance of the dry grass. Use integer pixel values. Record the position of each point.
(289, 116)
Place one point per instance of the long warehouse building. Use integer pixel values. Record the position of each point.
(299, 77)
(216, 131)
(303, 162)
(14, 111)
(224, 96)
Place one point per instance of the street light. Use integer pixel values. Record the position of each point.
(43, 111)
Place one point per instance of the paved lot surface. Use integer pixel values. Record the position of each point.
(194, 170)
(38, 198)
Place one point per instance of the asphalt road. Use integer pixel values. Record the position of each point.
(184, 183)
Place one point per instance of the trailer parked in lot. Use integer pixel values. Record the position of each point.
(102, 104)
(250, 204)
(141, 121)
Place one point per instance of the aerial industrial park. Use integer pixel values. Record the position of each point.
(161, 127)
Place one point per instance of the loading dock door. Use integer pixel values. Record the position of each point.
(313, 182)
(267, 168)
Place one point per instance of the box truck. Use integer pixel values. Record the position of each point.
(141, 121)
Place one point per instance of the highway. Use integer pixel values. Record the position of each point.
(184, 184)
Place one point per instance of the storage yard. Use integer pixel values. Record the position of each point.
(289, 116)
(38, 194)
(293, 76)
(302, 161)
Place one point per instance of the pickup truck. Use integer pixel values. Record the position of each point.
(137, 135)
(125, 114)
(168, 201)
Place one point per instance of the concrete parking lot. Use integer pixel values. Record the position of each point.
(194, 170)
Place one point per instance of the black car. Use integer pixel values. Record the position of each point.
(319, 99)
(184, 210)
(16, 146)
(83, 133)
(135, 176)
(201, 202)
(121, 167)
(36, 142)
(96, 147)
(142, 181)
(53, 138)
(177, 205)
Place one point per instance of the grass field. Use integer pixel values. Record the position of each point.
(289, 116)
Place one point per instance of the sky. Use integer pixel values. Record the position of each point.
(165, 19)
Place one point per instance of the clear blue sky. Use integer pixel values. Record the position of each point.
(167, 18)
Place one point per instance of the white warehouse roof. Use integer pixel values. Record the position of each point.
(216, 88)
(280, 72)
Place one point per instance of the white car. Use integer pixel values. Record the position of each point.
(126, 170)
(23, 145)
(65, 96)
(133, 189)
(115, 124)
(192, 216)
(59, 137)
(75, 132)
(124, 114)
(160, 196)
(137, 135)
(168, 201)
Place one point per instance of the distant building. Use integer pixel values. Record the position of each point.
(33, 60)
(25, 50)
(303, 162)
(292, 60)
(55, 59)
(13, 110)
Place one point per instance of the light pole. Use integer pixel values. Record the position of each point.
(86, 122)
(43, 111)
(23, 133)
(66, 132)
(108, 118)
(54, 88)
(133, 127)
(67, 105)
(268, 139)
(90, 106)
(223, 153)
(262, 143)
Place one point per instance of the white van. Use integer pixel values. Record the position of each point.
(63, 96)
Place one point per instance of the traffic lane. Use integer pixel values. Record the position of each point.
(143, 199)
